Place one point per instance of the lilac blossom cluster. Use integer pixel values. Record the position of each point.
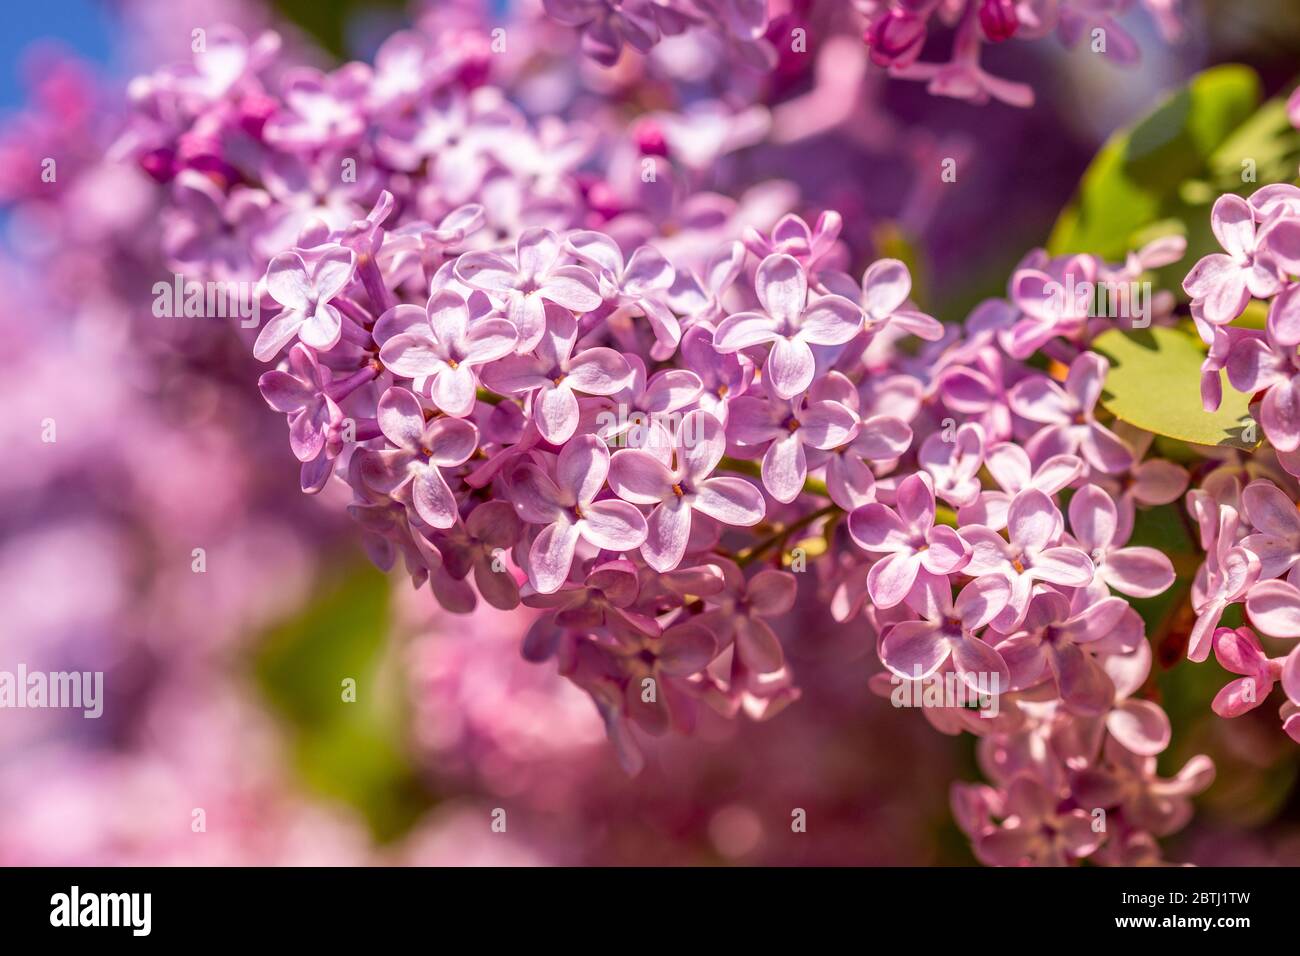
(511, 422)
(753, 33)
(1249, 525)
(897, 31)
(642, 422)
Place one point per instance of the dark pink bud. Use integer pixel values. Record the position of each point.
(254, 110)
(896, 38)
(650, 139)
(998, 19)
(160, 164)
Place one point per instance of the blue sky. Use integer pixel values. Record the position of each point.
(81, 25)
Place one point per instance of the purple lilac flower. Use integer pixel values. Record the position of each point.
(564, 505)
(676, 481)
(790, 323)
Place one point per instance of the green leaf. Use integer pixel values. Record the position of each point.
(349, 751)
(1168, 169)
(1154, 383)
(332, 24)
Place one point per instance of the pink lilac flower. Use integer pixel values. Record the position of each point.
(953, 463)
(1135, 571)
(642, 283)
(478, 545)
(553, 375)
(1032, 554)
(1225, 578)
(641, 413)
(1068, 413)
(608, 25)
(676, 481)
(782, 428)
(305, 295)
(301, 393)
(445, 346)
(1035, 832)
(790, 323)
(917, 649)
(422, 451)
(1240, 652)
(1276, 539)
(1054, 644)
(1012, 470)
(536, 276)
(879, 438)
(1223, 283)
(477, 358)
(909, 539)
(739, 614)
(565, 507)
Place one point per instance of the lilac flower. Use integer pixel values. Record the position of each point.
(1256, 364)
(699, 299)
(1012, 470)
(1241, 653)
(886, 289)
(609, 24)
(642, 283)
(954, 464)
(739, 615)
(606, 598)
(300, 392)
(212, 232)
(915, 650)
(1224, 578)
(306, 297)
(639, 415)
(1035, 832)
(1068, 414)
(791, 236)
(1055, 300)
(535, 277)
(790, 323)
(879, 438)
(1274, 608)
(320, 110)
(909, 539)
(1052, 644)
(723, 376)
(1137, 572)
(783, 428)
(423, 450)
(478, 545)
(675, 480)
(1148, 483)
(1139, 725)
(1129, 782)
(447, 349)
(566, 507)
(1033, 554)
(1224, 283)
(1276, 541)
(553, 375)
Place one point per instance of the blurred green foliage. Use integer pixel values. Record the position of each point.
(327, 21)
(1162, 175)
(350, 752)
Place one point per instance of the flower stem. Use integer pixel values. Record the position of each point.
(750, 554)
